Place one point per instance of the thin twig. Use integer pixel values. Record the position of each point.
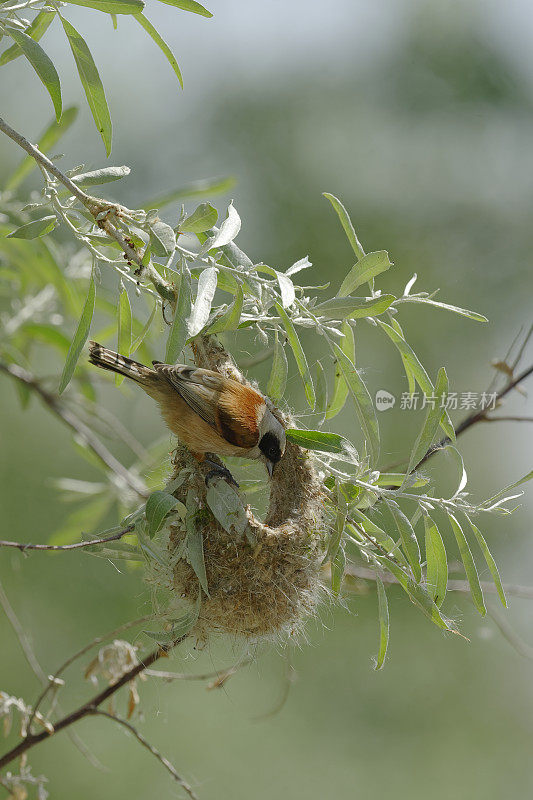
(59, 408)
(25, 643)
(100, 209)
(79, 653)
(219, 677)
(89, 707)
(39, 674)
(507, 419)
(523, 346)
(510, 589)
(161, 758)
(521, 647)
(472, 419)
(76, 546)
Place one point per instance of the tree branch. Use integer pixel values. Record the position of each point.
(164, 761)
(52, 679)
(100, 209)
(472, 419)
(59, 408)
(76, 546)
(511, 589)
(88, 708)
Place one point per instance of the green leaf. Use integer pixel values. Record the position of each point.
(202, 219)
(90, 79)
(321, 385)
(298, 266)
(431, 423)
(364, 407)
(278, 374)
(36, 30)
(346, 224)
(228, 230)
(324, 442)
(437, 564)
(180, 627)
(383, 611)
(189, 5)
(158, 505)
(39, 227)
(488, 504)
(194, 548)
(463, 312)
(49, 138)
(419, 596)
(469, 565)
(338, 565)
(399, 478)
(80, 337)
(123, 327)
(160, 42)
(162, 239)
(286, 288)
(229, 320)
(100, 176)
(364, 270)
(227, 508)
(137, 342)
(408, 372)
(408, 537)
(111, 6)
(194, 189)
(42, 65)
(179, 331)
(207, 284)
(353, 307)
(491, 564)
(377, 533)
(340, 387)
(417, 370)
(299, 355)
(338, 530)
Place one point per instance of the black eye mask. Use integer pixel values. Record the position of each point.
(269, 446)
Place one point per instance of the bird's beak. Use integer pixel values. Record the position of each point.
(270, 468)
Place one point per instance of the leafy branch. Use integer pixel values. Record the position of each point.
(107, 216)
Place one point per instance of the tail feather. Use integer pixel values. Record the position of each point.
(108, 359)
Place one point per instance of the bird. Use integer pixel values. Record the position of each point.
(209, 412)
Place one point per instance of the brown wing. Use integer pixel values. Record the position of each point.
(237, 414)
(223, 403)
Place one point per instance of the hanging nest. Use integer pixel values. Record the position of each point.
(262, 581)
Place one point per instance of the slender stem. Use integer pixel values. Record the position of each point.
(511, 589)
(507, 419)
(59, 408)
(21, 635)
(75, 546)
(472, 419)
(100, 209)
(161, 758)
(52, 679)
(88, 708)
(219, 677)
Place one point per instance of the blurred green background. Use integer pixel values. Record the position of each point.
(420, 117)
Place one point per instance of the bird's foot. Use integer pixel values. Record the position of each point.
(219, 471)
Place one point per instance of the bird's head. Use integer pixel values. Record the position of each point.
(272, 441)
